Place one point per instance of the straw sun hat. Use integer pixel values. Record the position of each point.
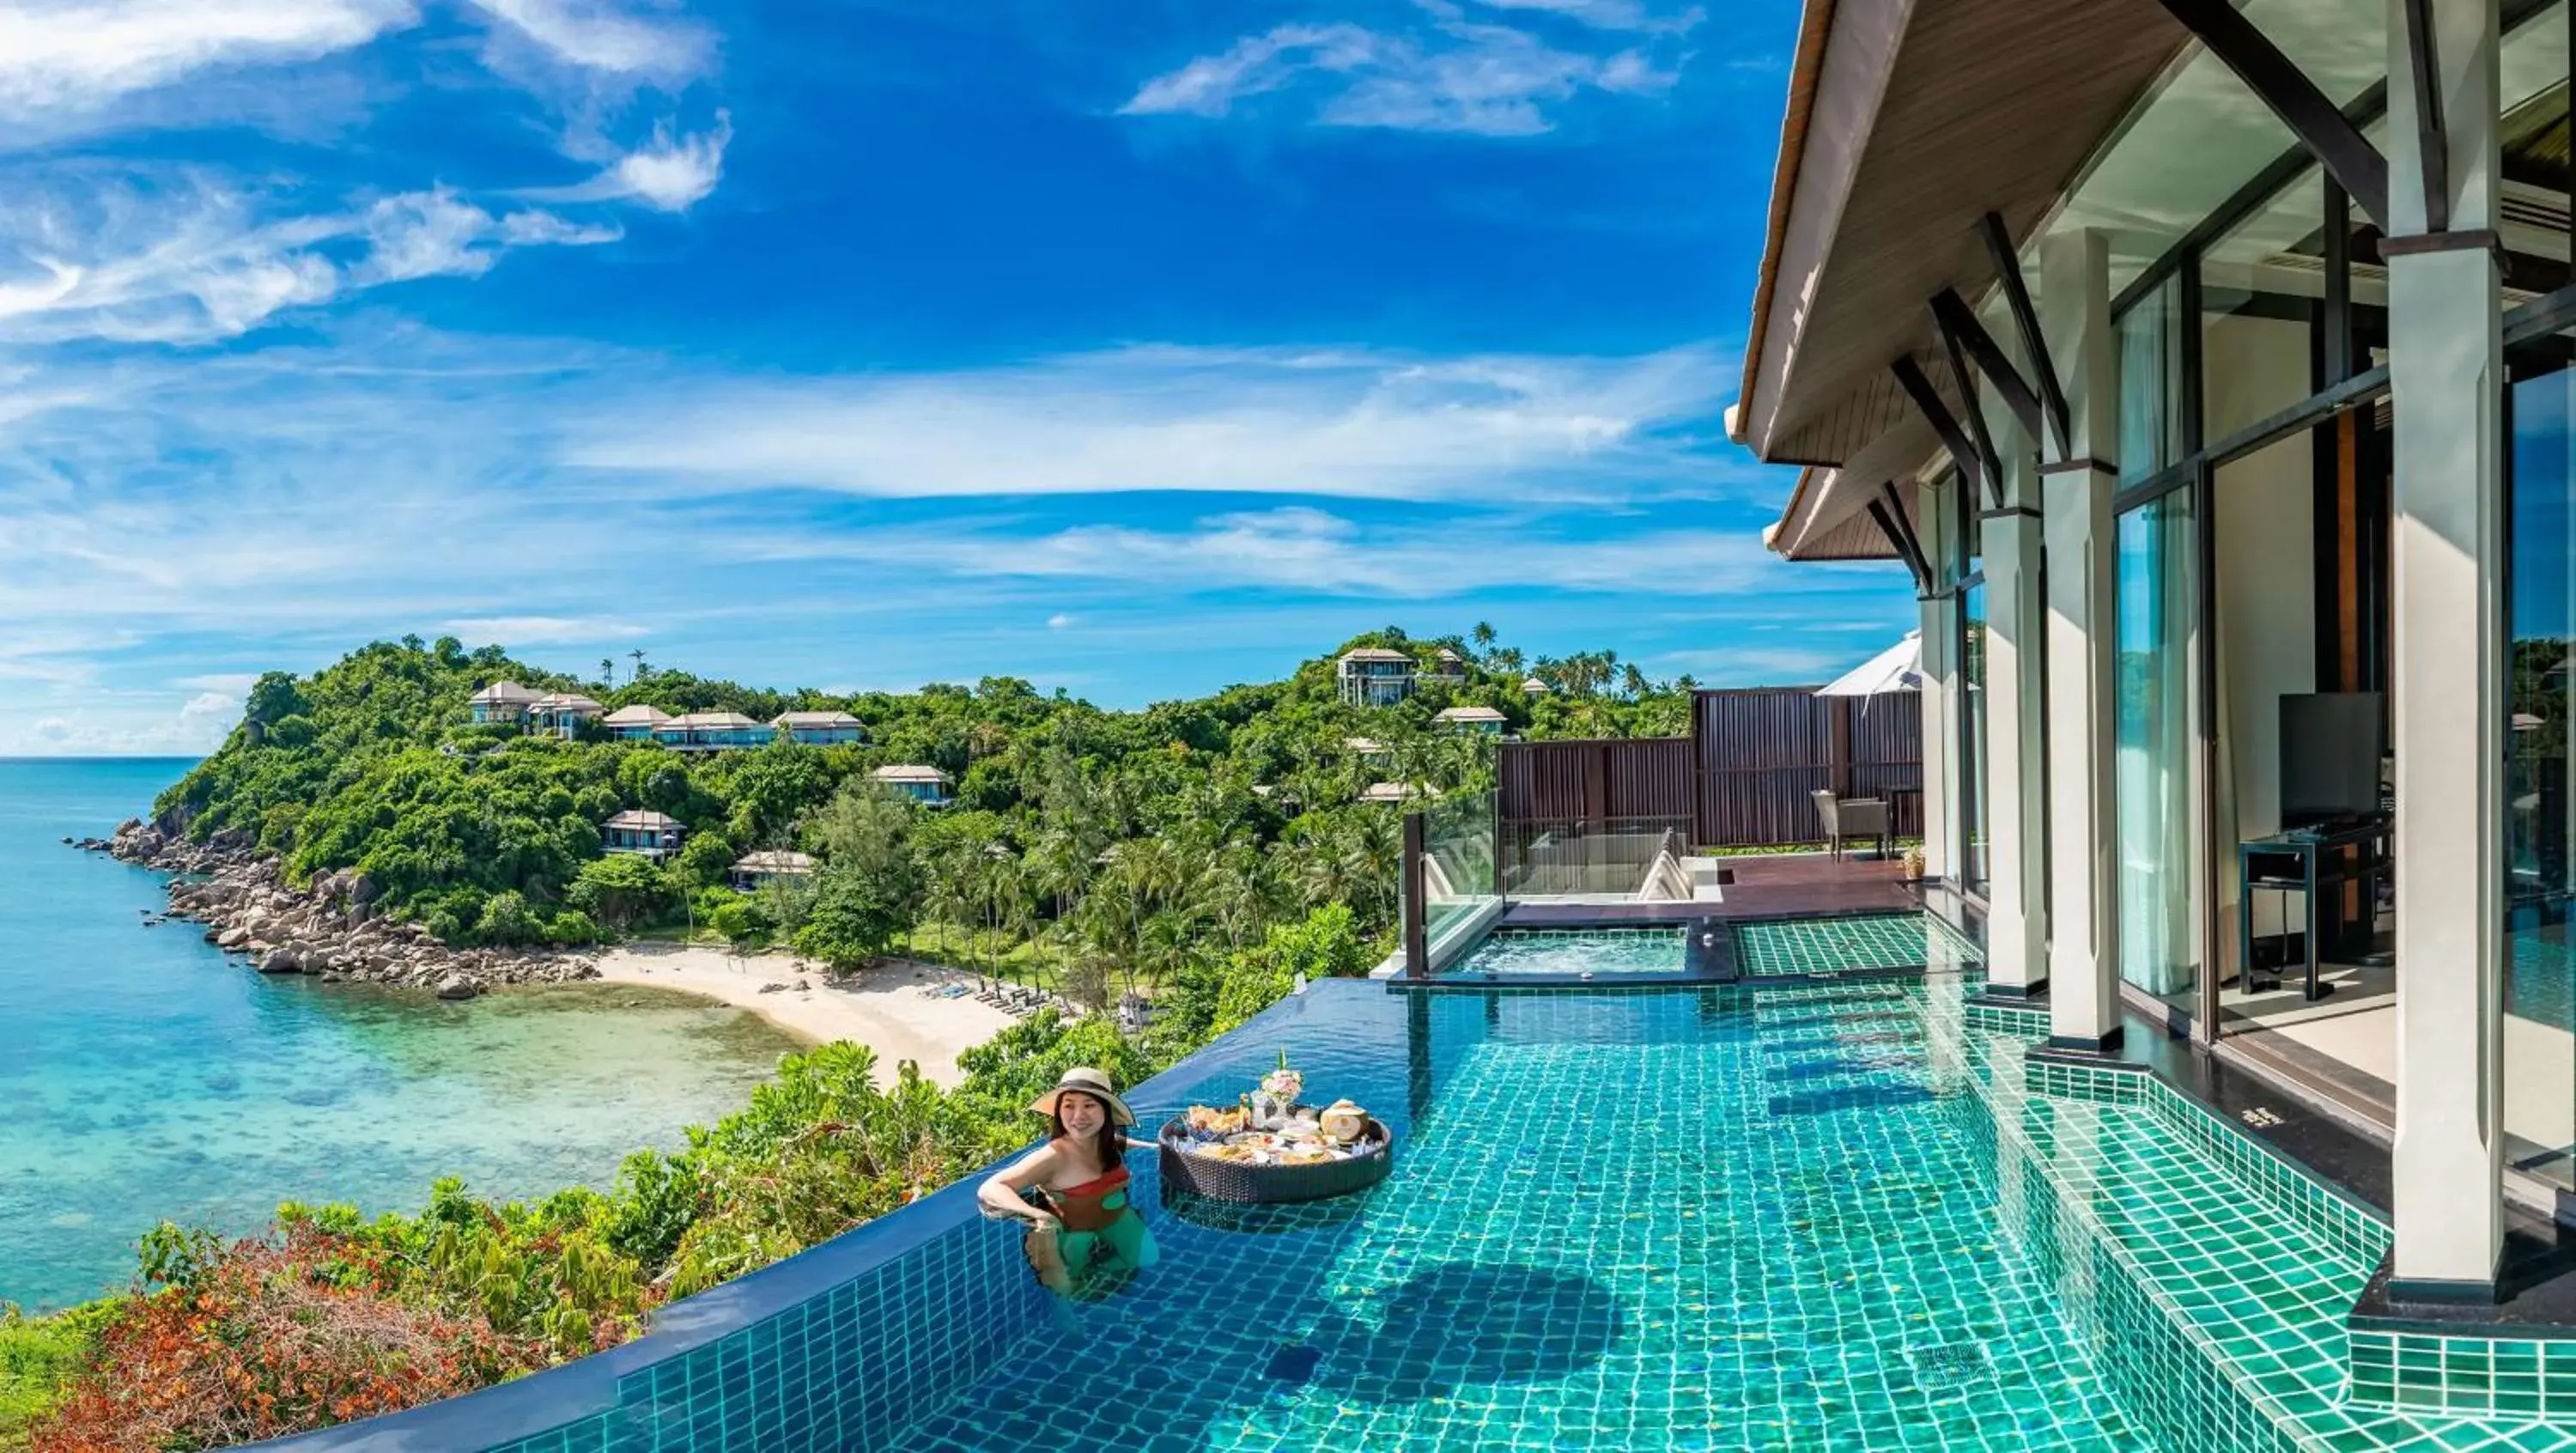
(1090, 1082)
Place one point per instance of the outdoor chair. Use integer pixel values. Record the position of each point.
(1856, 819)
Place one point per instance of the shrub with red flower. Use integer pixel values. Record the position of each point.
(263, 1338)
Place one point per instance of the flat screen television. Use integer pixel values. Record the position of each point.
(2331, 746)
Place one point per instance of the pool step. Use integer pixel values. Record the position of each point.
(2213, 1308)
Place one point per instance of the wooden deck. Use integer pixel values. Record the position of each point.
(1762, 887)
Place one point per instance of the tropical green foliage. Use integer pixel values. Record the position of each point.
(38, 1358)
(1099, 850)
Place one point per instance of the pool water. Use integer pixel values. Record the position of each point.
(1681, 1219)
(1573, 952)
(1826, 947)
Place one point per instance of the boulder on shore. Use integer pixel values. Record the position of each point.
(282, 961)
(457, 986)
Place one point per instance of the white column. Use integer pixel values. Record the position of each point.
(2446, 369)
(2083, 654)
(2016, 796)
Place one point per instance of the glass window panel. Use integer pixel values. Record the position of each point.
(2539, 813)
(2150, 417)
(2262, 291)
(1972, 737)
(2158, 599)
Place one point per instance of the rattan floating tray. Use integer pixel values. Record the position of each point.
(1270, 1185)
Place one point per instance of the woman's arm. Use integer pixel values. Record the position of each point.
(1000, 1193)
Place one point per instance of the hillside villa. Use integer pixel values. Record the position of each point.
(752, 871)
(501, 703)
(649, 834)
(1483, 719)
(636, 723)
(712, 731)
(925, 785)
(820, 728)
(562, 715)
(1374, 676)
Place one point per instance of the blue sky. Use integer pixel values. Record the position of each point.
(1131, 348)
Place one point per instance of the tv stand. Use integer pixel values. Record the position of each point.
(2307, 861)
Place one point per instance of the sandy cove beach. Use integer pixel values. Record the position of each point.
(885, 1008)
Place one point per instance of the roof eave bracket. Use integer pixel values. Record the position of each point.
(2276, 81)
(1909, 377)
(2025, 316)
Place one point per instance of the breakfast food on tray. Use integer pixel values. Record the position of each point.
(1269, 1127)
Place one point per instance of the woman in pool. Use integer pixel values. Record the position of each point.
(1073, 1190)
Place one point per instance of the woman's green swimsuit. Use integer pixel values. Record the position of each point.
(1097, 1211)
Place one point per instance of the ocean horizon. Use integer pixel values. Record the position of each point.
(150, 1077)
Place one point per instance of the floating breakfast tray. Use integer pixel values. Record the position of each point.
(1244, 1183)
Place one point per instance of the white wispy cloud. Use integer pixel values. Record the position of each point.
(1319, 552)
(156, 255)
(518, 631)
(84, 54)
(369, 479)
(669, 172)
(1453, 75)
(1260, 421)
(1610, 14)
(605, 37)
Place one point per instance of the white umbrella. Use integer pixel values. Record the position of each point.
(1898, 668)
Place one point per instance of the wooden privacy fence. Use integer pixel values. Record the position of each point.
(1762, 750)
(1740, 779)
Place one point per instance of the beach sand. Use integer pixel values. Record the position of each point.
(886, 1008)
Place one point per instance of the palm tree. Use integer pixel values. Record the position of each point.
(1059, 868)
(1482, 635)
(636, 655)
(607, 671)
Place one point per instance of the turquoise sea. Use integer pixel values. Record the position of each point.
(144, 1076)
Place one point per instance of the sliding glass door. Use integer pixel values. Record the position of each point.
(1972, 737)
(2539, 812)
(2158, 598)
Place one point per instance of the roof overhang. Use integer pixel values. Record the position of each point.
(1908, 121)
(1828, 518)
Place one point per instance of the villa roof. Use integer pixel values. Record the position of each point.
(503, 693)
(1535, 687)
(1374, 653)
(908, 772)
(815, 719)
(642, 820)
(566, 701)
(1468, 713)
(1906, 124)
(774, 860)
(1393, 792)
(706, 720)
(1363, 744)
(637, 715)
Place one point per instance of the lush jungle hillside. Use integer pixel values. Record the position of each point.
(1101, 845)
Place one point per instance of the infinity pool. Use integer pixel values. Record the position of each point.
(1689, 1219)
(1835, 1216)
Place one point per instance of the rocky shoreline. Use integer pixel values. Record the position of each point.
(328, 929)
